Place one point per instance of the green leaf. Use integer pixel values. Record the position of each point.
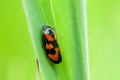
(67, 17)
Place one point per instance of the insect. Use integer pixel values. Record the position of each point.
(50, 44)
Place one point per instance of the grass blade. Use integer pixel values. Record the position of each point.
(67, 17)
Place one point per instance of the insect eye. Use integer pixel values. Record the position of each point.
(51, 32)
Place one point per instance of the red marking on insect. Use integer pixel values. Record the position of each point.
(49, 46)
(54, 56)
(48, 37)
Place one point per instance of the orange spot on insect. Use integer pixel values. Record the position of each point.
(55, 56)
(49, 38)
(49, 46)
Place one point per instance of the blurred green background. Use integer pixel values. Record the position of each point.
(17, 55)
(104, 39)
